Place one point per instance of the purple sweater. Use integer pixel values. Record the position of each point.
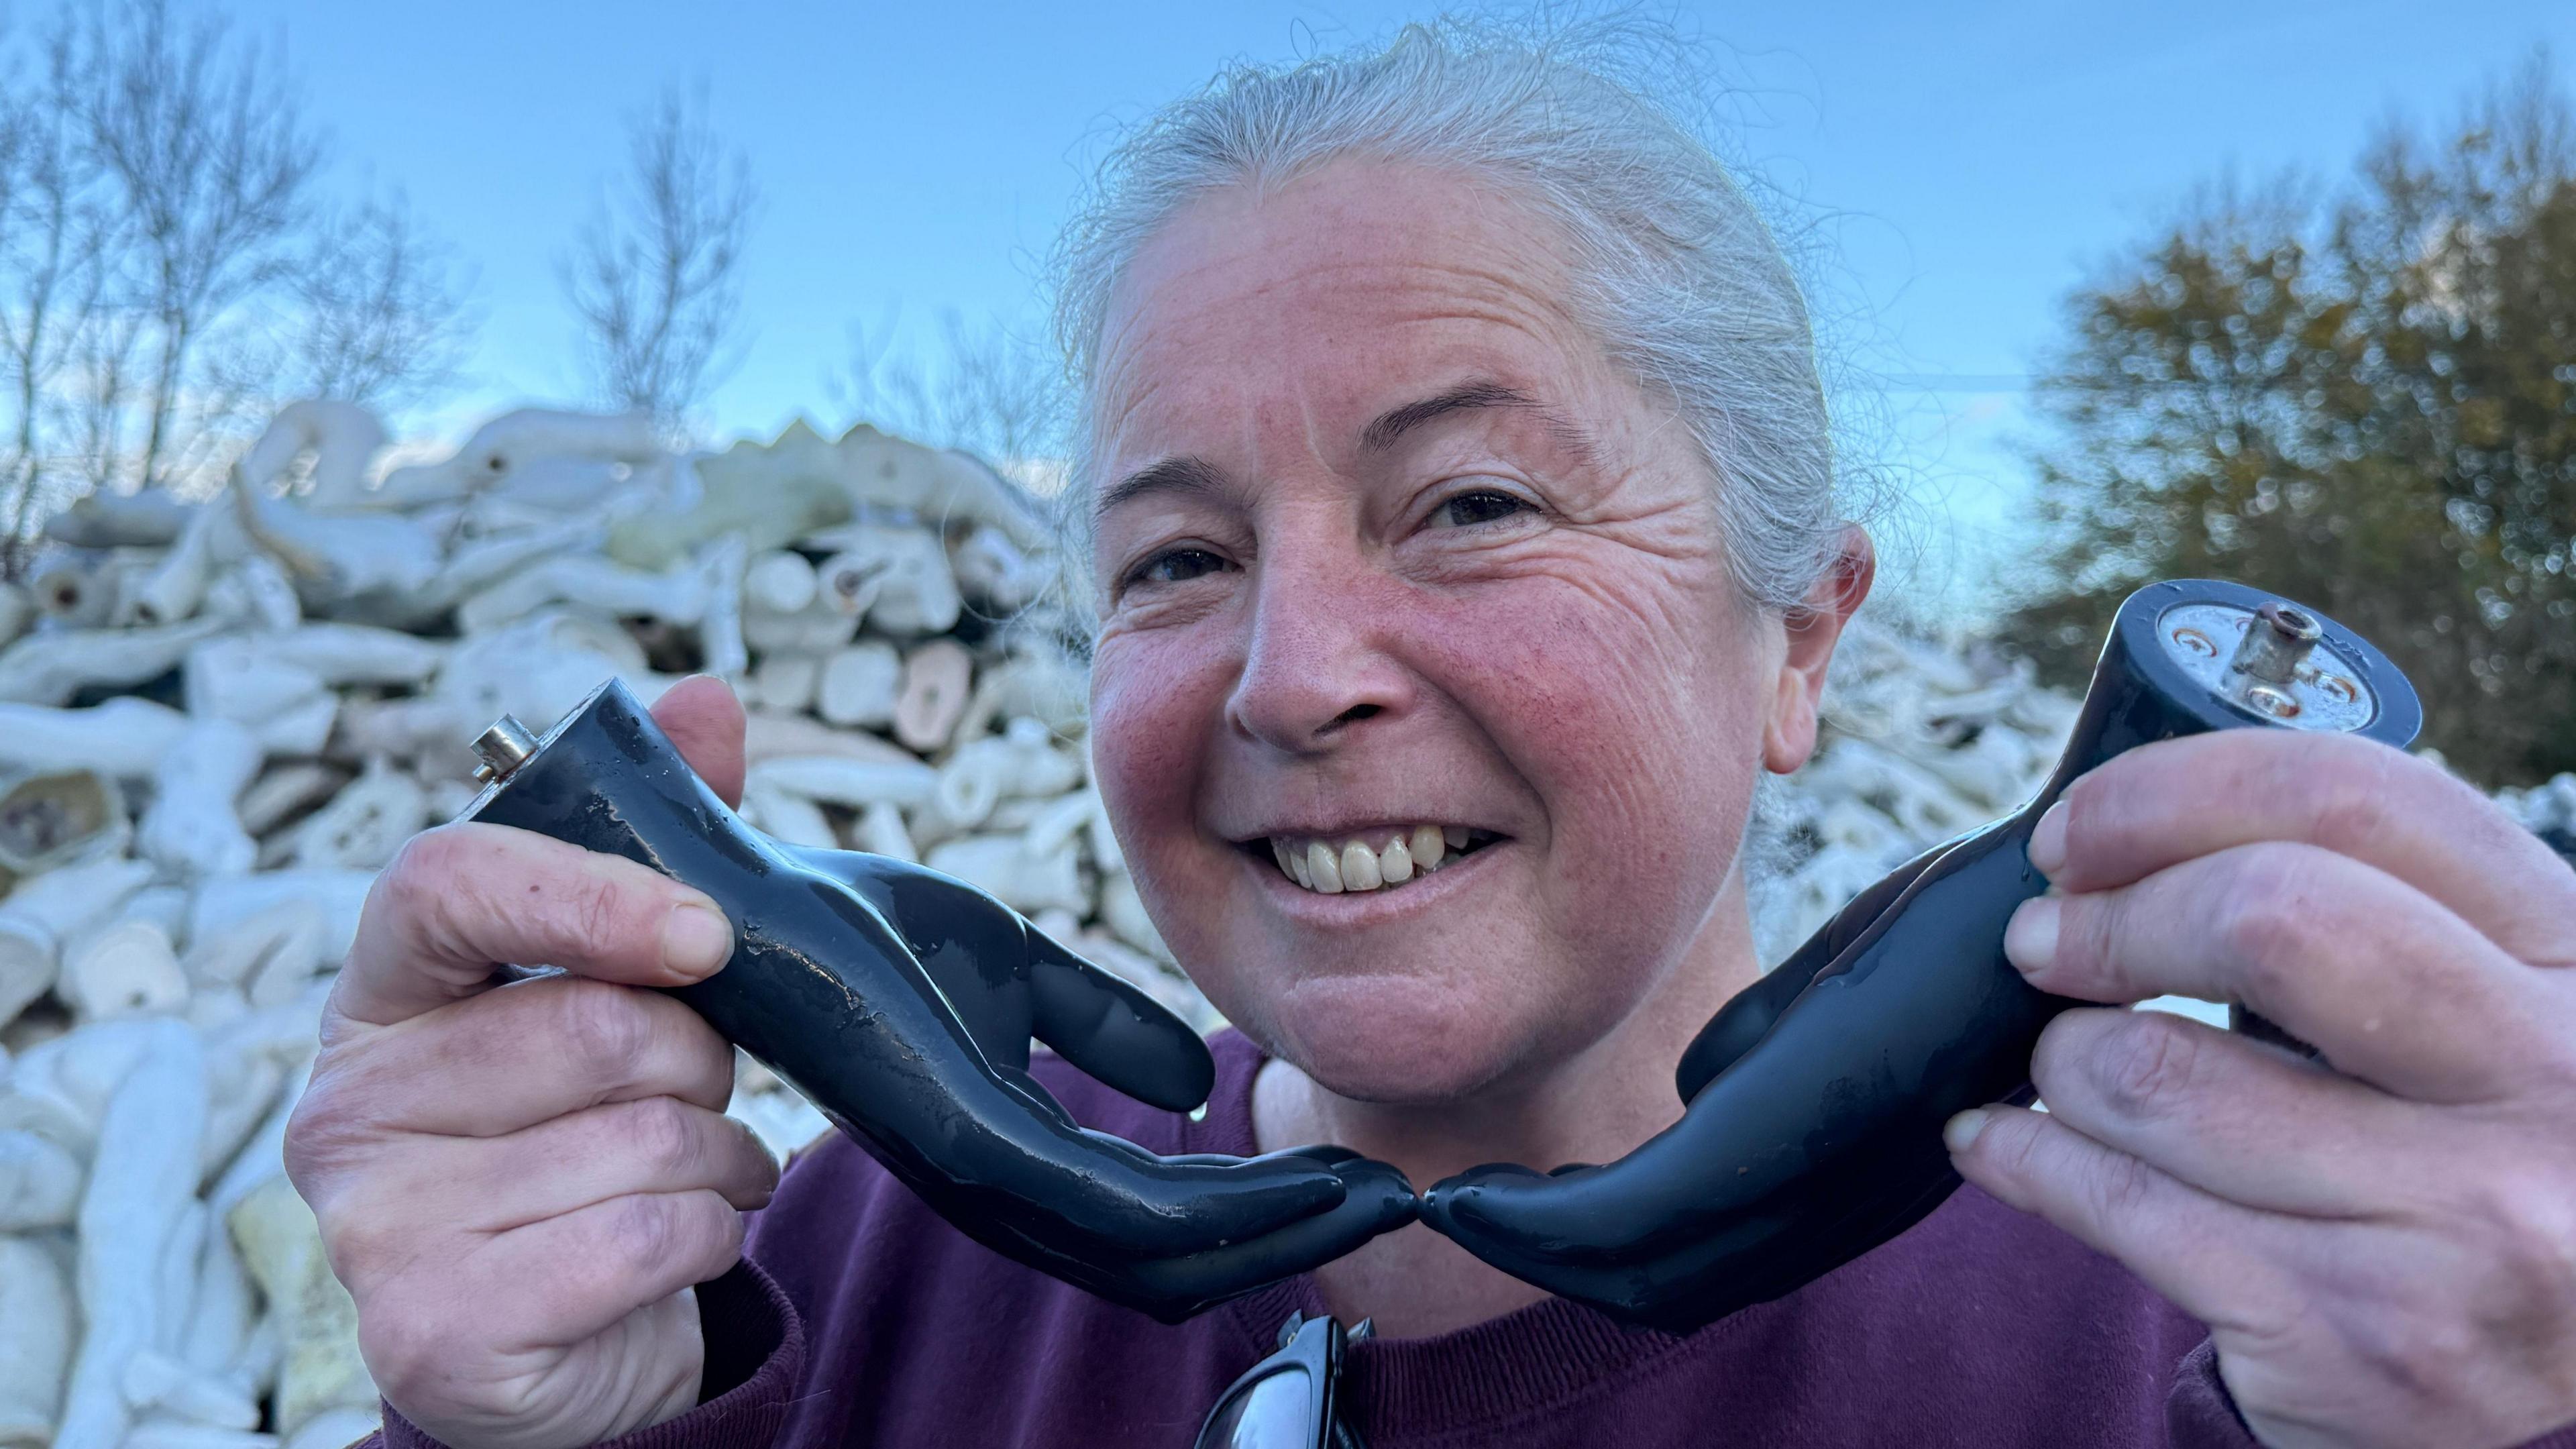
(860, 1318)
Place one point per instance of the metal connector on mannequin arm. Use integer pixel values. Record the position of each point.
(902, 1002)
(1816, 1097)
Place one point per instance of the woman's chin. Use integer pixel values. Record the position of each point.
(1398, 1039)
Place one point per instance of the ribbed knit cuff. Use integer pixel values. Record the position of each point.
(754, 1338)
(2199, 1412)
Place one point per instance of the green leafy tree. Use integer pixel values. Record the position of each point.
(2365, 400)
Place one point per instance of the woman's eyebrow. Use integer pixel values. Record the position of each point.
(1183, 474)
(1395, 422)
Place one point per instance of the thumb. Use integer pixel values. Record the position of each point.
(705, 722)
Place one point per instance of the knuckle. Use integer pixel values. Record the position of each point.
(2405, 1322)
(2011, 1143)
(2263, 922)
(661, 1133)
(650, 1227)
(339, 1160)
(436, 887)
(2120, 1188)
(603, 1028)
(363, 1247)
(532, 899)
(320, 1144)
(404, 1352)
(421, 1357)
(334, 1140)
(2347, 789)
(655, 1230)
(2419, 1353)
(2142, 1061)
(415, 882)
(323, 1153)
(429, 855)
(2523, 1222)
(597, 910)
(2090, 929)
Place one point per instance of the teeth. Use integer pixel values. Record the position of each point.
(1325, 868)
(1395, 864)
(1331, 868)
(1359, 868)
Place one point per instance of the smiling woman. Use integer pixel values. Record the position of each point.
(1439, 564)
(1459, 496)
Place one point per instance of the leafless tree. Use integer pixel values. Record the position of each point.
(58, 244)
(379, 314)
(102, 389)
(168, 274)
(206, 144)
(656, 278)
(986, 388)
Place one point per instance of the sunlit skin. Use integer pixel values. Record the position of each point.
(1513, 614)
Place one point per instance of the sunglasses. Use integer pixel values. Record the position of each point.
(1286, 1401)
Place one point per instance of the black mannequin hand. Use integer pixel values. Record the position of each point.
(1816, 1098)
(1009, 982)
(901, 1002)
(1824, 1139)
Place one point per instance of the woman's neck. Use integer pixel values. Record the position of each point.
(1593, 1107)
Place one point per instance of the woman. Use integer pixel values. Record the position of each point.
(1461, 504)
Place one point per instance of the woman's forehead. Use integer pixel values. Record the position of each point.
(1335, 297)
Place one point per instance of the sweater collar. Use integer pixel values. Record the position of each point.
(1478, 1376)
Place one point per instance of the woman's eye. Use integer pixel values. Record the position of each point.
(1175, 566)
(1484, 505)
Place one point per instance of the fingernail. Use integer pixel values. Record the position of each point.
(1960, 1132)
(2048, 841)
(696, 940)
(2030, 938)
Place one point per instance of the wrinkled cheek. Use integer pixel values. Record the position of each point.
(1645, 781)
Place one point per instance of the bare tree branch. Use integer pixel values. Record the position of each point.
(103, 366)
(656, 278)
(207, 144)
(60, 241)
(983, 388)
(380, 310)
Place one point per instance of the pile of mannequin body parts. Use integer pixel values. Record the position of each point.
(2548, 811)
(220, 717)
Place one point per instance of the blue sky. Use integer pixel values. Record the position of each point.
(1979, 160)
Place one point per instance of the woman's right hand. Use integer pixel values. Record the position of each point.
(521, 1183)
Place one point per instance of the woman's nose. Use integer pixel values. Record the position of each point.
(1318, 662)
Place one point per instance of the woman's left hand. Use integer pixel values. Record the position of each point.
(2384, 1248)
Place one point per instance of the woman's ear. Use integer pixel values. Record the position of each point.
(1814, 627)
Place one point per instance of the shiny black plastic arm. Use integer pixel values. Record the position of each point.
(1816, 1097)
(902, 1003)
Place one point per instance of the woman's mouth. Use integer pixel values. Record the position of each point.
(1371, 860)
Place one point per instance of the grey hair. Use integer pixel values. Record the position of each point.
(1677, 272)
